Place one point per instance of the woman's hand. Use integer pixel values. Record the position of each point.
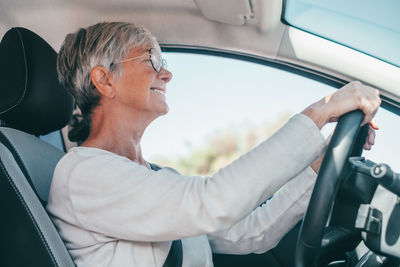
(350, 97)
(369, 142)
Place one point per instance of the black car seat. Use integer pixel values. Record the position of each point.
(32, 103)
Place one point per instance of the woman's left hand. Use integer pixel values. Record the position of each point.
(369, 142)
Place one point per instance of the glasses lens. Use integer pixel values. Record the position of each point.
(164, 63)
(156, 60)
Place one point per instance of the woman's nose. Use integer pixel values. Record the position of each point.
(165, 75)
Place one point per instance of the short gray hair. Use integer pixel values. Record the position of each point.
(97, 45)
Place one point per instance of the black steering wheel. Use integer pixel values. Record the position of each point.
(347, 140)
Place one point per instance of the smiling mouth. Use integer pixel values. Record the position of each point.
(158, 91)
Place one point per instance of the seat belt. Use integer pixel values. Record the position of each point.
(174, 258)
(175, 255)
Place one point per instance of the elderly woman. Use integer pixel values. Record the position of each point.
(113, 208)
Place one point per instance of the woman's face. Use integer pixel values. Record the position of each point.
(140, 87)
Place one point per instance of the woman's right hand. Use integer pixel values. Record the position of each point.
(350, 97)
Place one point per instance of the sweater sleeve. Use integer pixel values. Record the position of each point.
(267, 224)
(119, 198)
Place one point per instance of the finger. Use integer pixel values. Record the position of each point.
(373, 124)
(368, 101)
(367, 146)
(369, 107)
(371, 136)
(370, 139)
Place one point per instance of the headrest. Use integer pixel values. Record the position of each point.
(31, 99)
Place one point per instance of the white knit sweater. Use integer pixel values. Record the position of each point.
(111, 211)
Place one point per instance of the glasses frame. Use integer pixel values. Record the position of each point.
(153, 59)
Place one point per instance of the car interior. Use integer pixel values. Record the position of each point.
(32, 104)
(353, 215)
(27, 162)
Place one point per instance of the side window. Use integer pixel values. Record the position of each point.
(220, 108)
(54, 138)
(387, 145)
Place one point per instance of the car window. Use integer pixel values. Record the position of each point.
(54, 138)
(387, 147)
(369, 26)
(221, 107)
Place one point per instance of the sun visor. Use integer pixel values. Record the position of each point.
(234, 12)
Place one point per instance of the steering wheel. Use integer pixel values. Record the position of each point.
(347, 140)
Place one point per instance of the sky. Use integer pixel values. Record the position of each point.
(208, 94)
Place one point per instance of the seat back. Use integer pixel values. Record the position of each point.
(31, 103)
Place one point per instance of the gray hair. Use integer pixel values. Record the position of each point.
(99, 45)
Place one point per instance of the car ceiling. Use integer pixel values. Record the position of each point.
(244, 27)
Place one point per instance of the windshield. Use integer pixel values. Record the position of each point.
(369, 26)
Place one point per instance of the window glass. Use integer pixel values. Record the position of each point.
(369, 26)
(54, 138)
(220, 108)
(387, 147)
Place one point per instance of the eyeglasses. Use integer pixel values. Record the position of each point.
(155, 58)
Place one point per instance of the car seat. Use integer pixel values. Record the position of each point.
(32, 103)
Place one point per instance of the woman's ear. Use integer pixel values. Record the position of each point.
(103, 81)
